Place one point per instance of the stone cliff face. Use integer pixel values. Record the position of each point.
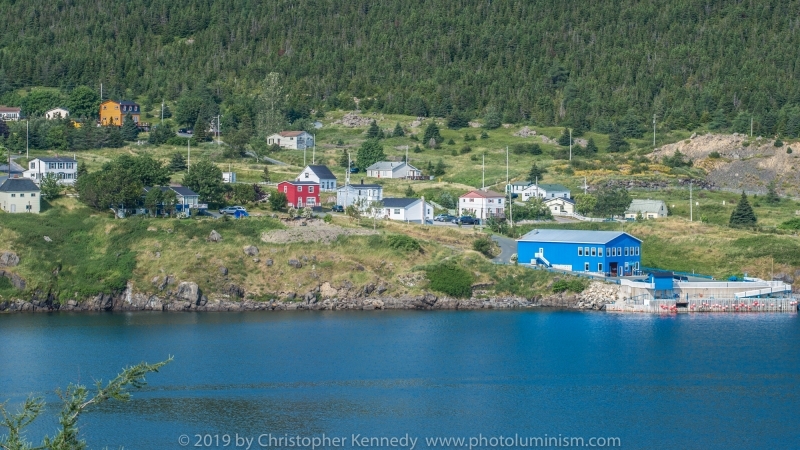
(187, 296)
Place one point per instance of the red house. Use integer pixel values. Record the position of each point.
(300, 193)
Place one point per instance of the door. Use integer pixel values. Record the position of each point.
(612, 268)
(13, 208)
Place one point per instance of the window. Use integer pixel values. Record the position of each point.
(619, 251)
(33, 165)
(310, 189)
(22, 195)
(33, 194)
(285, 189)
(600, 267)
(13, 195)
(580, 251)
(585, 267)
(608, 251)
(397, 210)
(636, 265)
(299, 188)
(626, 251)
(306, 174)
(585, 251)
(499, 200)
(637, 252)
(594, 252)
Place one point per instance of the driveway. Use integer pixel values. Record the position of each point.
(508, 247)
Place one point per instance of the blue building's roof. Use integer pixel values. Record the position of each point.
(576, 236)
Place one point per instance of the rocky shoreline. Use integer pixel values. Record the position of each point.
(187, 297)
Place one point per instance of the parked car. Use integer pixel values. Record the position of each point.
(337, 208)
(186, 131)
(444, 218)
(354, 170)
(232, 210)
(514, 195)
(467, 220)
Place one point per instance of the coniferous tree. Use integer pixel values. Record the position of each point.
(439, 170)
(398, 131)
(344, 160)
(374, 131)
(177, 162)
(591, 147)
(129, 129)
(265, 175)
(536, 173)
(370, 152)
(772, 196)
(432, 132)
(743, 215)
(616, 143)
(563, 140)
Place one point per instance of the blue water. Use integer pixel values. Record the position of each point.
(690, 381)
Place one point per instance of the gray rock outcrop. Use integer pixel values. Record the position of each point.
(9, 259)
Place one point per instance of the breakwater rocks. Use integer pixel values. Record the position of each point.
(187, 296)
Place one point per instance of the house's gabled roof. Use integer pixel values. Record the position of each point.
(559, 199)
(482, 194)
(322, 172)
(183, 191)
(18, 185)
(56, 108)
(9, 109)
(651, 206)
(390, 165)
(300, 183)
(576, 236)
(521, 183)
(291, 133)
(390, 202)
(128, 103)
(50, 159)
(361, 186)
(553, 187)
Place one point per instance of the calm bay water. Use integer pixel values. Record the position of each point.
(690, 381)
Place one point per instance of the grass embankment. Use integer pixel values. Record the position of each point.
(90, 252)
(676, 244)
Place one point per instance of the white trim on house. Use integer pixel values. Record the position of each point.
(65, 169)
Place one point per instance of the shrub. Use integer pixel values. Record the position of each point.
(789, 150)
(466, 149)
(483, 245)
(450, 279)
(714, 155)
(403, 243)
(574, 285)
(791, 224)
(778, 142)
(328, 218)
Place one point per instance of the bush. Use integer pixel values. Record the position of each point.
(277, 201)
(450, 279)
(714, 155)
(328, 218)
(791, 224)
(574, 285)
(789, 150)
(466, 149)
(483, 245)
(521, 149)
(403, 243)
(778, 143)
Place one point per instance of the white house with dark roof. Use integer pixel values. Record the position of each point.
(19, 195)
(482, 204)
(56, 113)
(354, 193)
(389, 169)
(293, 140)
(649, 209)
(319, 174)
(543, 191)
(64, 168)
(10, 113)
(560, 206)
(406, 210)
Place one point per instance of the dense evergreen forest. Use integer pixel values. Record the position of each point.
(605, 64)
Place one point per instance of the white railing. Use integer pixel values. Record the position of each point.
(578, 217)
(541, 256)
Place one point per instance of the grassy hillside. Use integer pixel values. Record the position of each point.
(596, 64)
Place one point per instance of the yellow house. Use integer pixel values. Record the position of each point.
(113, 112)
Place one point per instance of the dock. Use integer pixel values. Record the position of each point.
(725, 305)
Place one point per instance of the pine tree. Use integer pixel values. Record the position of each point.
(616, 143)
(409, 191)
(743, 215)
(177, 163)
(398, 131)
(344, 160)
(200, 133)
(374, 131)
(536, 173)
(439, 169)
(591, 147)
(772, 197)
(4, 132)
(370, 152)
(563, 140)
(432, 132)
(265, 176)
(129, 129)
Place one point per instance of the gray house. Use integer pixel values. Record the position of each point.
(649, 209)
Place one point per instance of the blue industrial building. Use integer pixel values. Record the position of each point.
(613, 253)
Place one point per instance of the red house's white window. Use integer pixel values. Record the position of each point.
(285, 189)
(310, 189)
(299, 188)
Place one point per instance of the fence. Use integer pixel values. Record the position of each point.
(683, 274)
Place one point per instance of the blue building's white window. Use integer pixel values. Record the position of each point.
(600, 267)
(580, 251)
(637, 253)
(608, 251)
(626, 251)
(594, 252)
(585, 251)
(619, 251)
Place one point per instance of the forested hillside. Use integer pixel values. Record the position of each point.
(586, 64)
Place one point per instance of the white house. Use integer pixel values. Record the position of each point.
(560, 206)
(364, 193)
(406, 210)
(321, 175)
(8, 113)
(65, 169)
(649, 209)
(293, 140)
(482, 204)
(544, 191)
(229, 177)
(388, 169)
(56, 113)
(19, 195)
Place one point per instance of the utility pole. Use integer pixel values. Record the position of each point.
(570, 144)
(27, 138)
(751, 126)
(483, 176)
(304, 156)
(101, 92)
(162, 111)
(188, 154)
(691, 203)
(314, 151)
(508, 192)
(654, 131)
(585, 186)
(219, 130)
